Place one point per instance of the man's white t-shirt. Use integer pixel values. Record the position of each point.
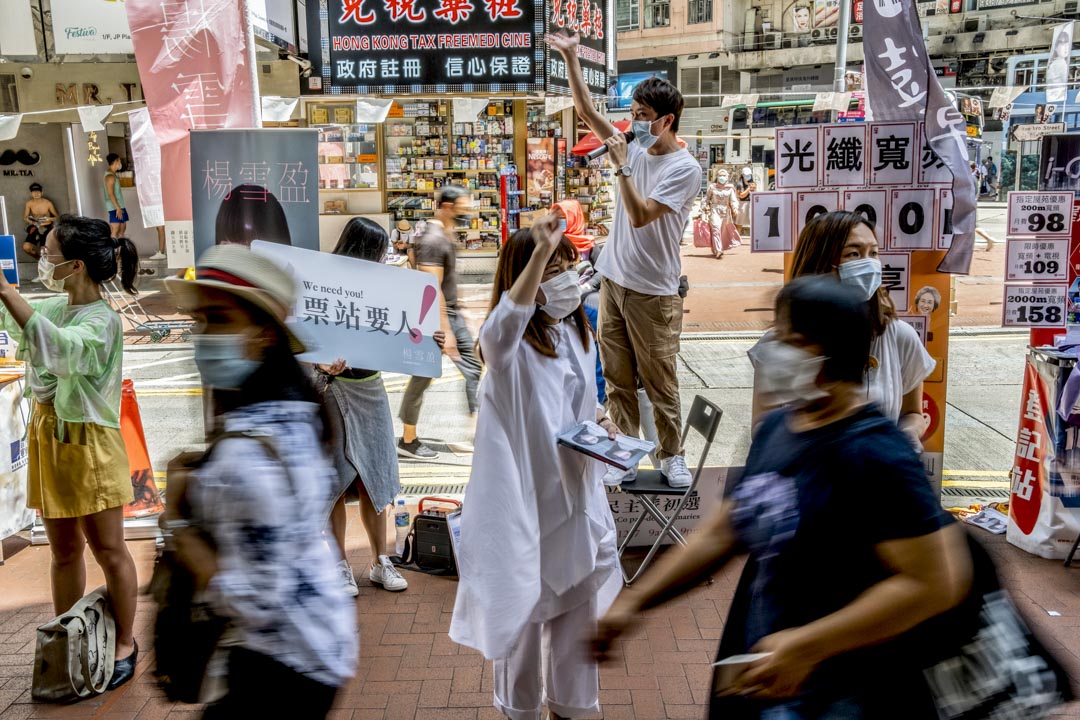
(646, 259)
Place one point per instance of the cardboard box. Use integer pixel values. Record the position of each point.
(528, 217)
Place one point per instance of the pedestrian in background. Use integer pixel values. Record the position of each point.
(114, 196)
(435, 252)
(722, 207)
(259, 503)
(537, 558)
(641, 307)
(363, 434)
(39, 214)
(843, 244)
(829, 589)
(78, 476)
(743, 187)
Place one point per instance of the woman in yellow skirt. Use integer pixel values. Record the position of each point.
(78, 469)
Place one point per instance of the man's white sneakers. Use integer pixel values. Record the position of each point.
(675, 471)
(614, 477)
(384, 573)
(347, 578)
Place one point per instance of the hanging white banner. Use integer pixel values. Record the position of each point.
(92, 117)
(146, 154)
(278, 109)
(9, 126)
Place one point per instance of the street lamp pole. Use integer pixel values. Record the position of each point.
(840, 71)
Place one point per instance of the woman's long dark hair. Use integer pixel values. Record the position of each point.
(363, 239)
(280, 378)
(818, 252)
(91, 241)
(513, 258)
(249, 213)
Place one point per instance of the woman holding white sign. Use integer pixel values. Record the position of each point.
(364, 452)
(844, 244)
(537, 558)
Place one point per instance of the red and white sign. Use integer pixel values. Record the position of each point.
(1040, 213)
(846, 159)
(871, 204)
(911, 219)
(771, 222)
(808, 205)
(893, 153)
(798, 157)
(944, 221)
(896, 278)
(1036, 306)
(1037, 260)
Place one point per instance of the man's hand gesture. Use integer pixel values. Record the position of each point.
(564, 43)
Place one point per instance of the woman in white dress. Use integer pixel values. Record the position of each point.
(537, 558)
(721, 206)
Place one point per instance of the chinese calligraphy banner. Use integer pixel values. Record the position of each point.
(196, 62)
(90, 27)
(369, 314)
(255, 185)
(409, 46)
(902, 86)
(596, 50)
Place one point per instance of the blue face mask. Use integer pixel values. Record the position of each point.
(643, 134)
(222, 360)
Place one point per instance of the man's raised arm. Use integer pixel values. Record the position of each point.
(567, 46)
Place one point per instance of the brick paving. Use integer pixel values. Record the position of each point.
(409, 669)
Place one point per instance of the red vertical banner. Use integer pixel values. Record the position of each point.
(1029, 464)
(196, 61)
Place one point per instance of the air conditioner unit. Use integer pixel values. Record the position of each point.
(832, 33)
(855, 32)
(1072, 8)
(773, 40)
(788, 43)
(818, 35)
(976, 24)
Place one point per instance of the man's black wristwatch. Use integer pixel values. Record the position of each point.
(625, 171)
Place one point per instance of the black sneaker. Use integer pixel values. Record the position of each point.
(416, 450)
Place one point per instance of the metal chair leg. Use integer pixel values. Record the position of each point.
(1072, 553)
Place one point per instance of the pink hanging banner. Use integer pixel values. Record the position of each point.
(197, 64)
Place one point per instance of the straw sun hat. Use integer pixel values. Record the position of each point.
(253, 278)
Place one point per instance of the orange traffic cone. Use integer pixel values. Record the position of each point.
(147, 499)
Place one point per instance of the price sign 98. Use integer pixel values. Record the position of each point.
(1034, 305)
(1040, 213)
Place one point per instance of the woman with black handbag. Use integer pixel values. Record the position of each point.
(258, 502)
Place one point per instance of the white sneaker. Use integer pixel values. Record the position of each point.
(384, 573)
(348, 579)
(614, 477)
(675, 472)
(158, 256)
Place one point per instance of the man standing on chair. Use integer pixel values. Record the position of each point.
(114, 197)
(640, 306)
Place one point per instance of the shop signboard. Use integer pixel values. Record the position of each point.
(273, 21)
(596, 48)
(369, 314)
(440, 46)
(1059, 163)
(255, 185)
(91, 27)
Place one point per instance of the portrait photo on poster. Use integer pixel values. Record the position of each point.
(250, 185)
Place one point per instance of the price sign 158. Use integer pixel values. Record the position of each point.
(1034, 305)
(1040, 213)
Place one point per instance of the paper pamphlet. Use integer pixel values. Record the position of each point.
(588, 438)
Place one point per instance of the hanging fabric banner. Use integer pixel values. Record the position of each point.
(92, 117)
(146, 153)
(1057, 69)
(196, 60)
(902, 85)
(9, 126)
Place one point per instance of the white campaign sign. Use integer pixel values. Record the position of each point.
(808, 205)
(932, 169)
(871, 204)
(919, 322)
(798, 157)
(369, 314)
(1040, 213)
(896, 278)
(892, 153)
(771, 225)
(944, 214)
(1039, 260)
(91, 27)
(845, 155)
(1034, 305)
(911, 219)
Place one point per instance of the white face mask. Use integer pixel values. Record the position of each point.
(789, 374)
(46, 268)
(562, 294)
(722, 178)
(864, 275)
(643, 134)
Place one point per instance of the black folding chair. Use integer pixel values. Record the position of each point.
(650, 486)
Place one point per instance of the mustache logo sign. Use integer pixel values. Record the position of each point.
(25, 157)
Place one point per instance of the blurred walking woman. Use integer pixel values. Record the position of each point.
(78, 469)
(363, 428)
(537, 556)
(829, 588)
(843, 244)
(258, 504)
